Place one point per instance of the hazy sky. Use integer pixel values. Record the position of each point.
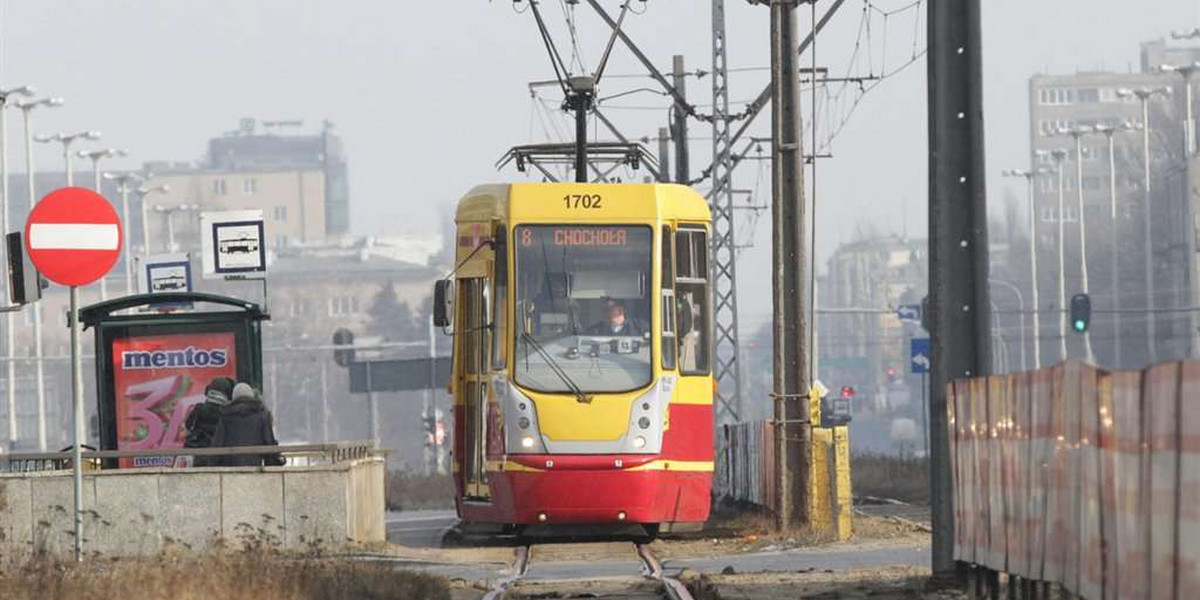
(428, 95)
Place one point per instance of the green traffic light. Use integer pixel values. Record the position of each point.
(1080, 325)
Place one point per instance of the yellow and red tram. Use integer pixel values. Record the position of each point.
(582, 377)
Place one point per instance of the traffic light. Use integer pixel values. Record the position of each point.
(847, 392)
(1081, 312)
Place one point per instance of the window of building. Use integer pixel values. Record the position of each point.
(298, 307)
(1091, 154)
(341, 306)
(1093, 183)
(1088, 95)
(250, 186)
(1070, 214)
(280, 214)
(219, 187)
(1048, 215)
(281, 241)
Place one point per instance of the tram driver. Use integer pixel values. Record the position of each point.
(618, 323)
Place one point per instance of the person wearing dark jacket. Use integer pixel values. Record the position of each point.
(246, 422)
(202, 420)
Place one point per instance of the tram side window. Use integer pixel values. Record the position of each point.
(668, 303)
(499, 298)
(691, 299)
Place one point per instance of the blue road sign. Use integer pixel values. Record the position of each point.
(909, 312)
(922, 355)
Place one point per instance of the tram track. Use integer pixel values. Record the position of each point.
(670, 588)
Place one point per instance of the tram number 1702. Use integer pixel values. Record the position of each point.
(582, 201)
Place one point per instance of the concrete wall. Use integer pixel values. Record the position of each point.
(132, 512)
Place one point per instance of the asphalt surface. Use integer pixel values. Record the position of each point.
(419, 528)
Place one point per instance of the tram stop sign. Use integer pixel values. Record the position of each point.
(73, 236)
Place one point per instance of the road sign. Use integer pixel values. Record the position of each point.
(819, 388)
(922, 355)
(73, 236)
(165, 274)
(234, 243)
(909, 312)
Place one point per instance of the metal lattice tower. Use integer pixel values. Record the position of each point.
(724, 256)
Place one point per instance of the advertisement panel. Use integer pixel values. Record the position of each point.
(157, 379)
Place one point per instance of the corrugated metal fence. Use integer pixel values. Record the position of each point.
(745, 465)
(1082, 477)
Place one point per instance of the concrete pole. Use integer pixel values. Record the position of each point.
(39, 362)
(793, 431)
(10, 334)
(96, 186)
(1115, 238)
(128, 242)
(1062, 268)
(1033, 268)
(680, 128)
(1148, 233)
(1083, 257)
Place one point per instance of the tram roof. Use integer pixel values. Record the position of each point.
(544, 201)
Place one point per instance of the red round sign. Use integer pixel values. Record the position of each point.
(73, 236)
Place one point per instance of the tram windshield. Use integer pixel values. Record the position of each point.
(583, 307)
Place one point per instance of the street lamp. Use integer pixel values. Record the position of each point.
(1190, 128)
(1109, 132)
(1059, 156)
(123, 186)
(27, 107)
(66, 139)
(142, 192)
(96, 155)
(1078, 133)
(1029, 176)
(1144, 95)
(10, 333)
(168, 212)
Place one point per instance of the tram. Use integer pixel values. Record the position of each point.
(582, 368)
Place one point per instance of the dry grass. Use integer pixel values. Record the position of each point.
(219, 576)
(897, 477)
(409, 491)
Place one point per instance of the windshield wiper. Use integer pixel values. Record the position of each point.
(555, 368)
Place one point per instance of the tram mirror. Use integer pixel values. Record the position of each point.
(443, 303)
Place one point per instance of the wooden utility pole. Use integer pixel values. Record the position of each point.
(793, 459)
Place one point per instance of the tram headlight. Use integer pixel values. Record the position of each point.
(523, 422)
(644, 423)
(527, 442)
(639, 442)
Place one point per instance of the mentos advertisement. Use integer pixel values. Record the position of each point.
(157, 380)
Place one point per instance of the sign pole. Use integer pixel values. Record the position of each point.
(925, 412)
(77, 404)
(373, 406)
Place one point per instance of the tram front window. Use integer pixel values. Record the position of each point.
(583, 308)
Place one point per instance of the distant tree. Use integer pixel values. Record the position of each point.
(391, 318)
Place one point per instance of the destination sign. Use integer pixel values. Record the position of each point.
(577, 236)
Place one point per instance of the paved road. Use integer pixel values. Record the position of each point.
(419, 528)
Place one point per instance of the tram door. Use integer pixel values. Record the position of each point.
(474, 368)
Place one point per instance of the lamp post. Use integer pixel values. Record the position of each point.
(66, 139)
(1109, 131)
(1060, 156)
(1077, 134)
(142, 192)
(95, 156)
(169, 212)
(10, 334)
(1189, 128)
(1020, 311)
(27, 107)
(1029, 177)
(1145, 95)
(123, 180)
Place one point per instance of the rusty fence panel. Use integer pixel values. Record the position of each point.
(745, 466)
(1081, 477)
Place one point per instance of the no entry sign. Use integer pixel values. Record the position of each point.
(73, 236)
